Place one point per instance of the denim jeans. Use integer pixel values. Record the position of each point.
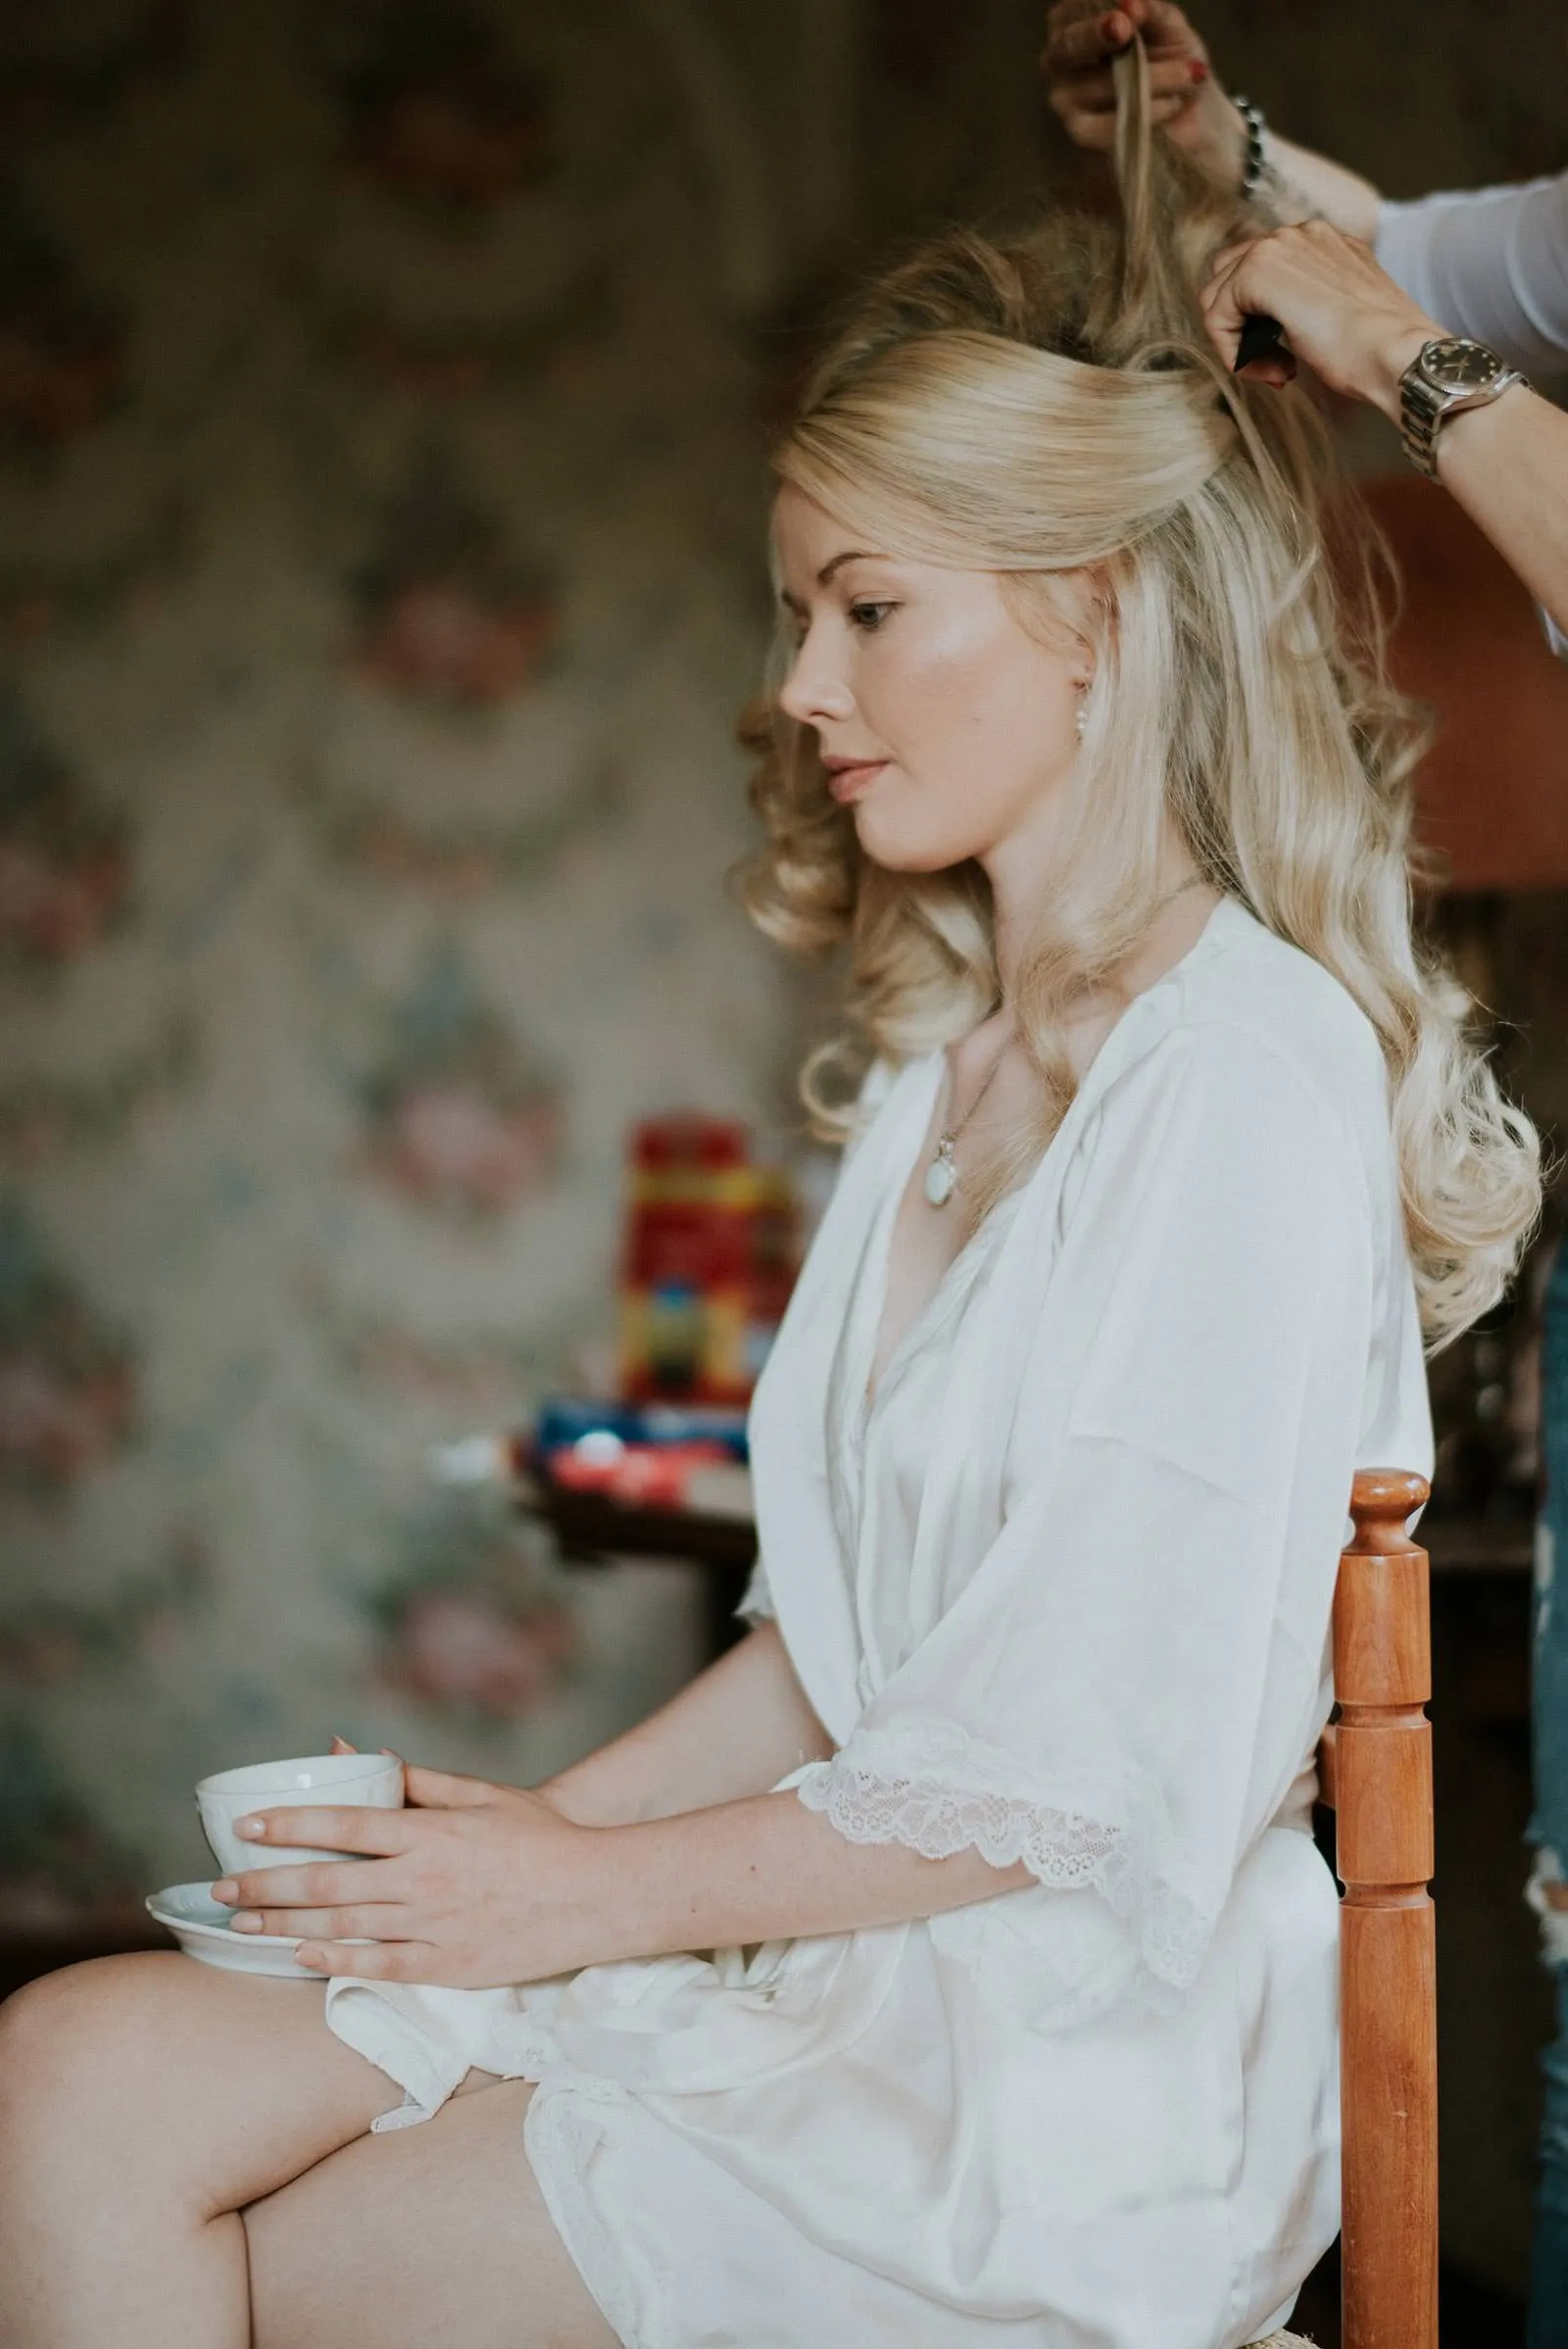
(1549, 2276)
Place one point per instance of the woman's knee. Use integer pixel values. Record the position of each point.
(75, 2045)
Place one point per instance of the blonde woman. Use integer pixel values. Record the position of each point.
(952, 1965)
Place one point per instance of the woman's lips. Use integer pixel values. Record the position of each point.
(847, 783)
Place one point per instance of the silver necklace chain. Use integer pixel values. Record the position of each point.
(942, 1175)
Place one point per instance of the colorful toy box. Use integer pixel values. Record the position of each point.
(710, 1254)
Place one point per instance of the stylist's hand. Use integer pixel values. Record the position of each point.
(470, 1885)
(1343, 315)
(1082, 36)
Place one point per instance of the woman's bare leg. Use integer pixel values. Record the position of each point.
(421, 2237)
(143, 2101)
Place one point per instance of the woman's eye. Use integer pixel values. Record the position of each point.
(869, 616)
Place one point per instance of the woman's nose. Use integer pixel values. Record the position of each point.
(812, 695)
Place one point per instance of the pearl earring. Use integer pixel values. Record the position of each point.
(1081, 713)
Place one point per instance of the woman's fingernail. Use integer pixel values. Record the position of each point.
(227, 1891)
(306, 1955)
(1198, 70)
(249, 1827)
(1114, 31)
(245, 1921)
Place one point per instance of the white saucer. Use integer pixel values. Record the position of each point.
(201, 1925)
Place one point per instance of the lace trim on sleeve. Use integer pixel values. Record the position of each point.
(929, 1785)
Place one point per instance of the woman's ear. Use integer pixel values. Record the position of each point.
(1085, 602)
(1102, 605)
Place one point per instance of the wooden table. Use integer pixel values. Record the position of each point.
(591, 1530)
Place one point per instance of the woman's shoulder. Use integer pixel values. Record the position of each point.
(1253, 996)
(1251, 1076)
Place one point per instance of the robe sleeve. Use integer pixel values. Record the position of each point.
(1123, 1690)
(757, 1599)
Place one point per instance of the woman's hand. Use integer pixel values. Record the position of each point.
(477, 1886)
(1190, 107)
(1343, 315)
(472, 1885)
(1082, 37)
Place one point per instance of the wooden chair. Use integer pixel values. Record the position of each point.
(1375, 1765)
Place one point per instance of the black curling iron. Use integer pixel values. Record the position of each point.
(1263, 337)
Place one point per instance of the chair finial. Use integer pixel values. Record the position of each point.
(1381, 1501)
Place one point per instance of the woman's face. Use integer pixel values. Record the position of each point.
(946, 724)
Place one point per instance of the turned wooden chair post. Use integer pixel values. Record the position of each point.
(1378, 1775)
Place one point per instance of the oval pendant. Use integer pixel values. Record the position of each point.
(940, 1182)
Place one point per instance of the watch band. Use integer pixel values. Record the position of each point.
(1426, 401)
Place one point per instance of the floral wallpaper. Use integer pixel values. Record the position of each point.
(380, 498)
(382, 401)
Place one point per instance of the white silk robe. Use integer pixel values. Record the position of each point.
(1060, 1593)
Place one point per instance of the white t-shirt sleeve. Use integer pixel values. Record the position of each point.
(1491, 262)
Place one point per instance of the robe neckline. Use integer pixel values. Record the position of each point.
(816, 1602)
(870, 1298)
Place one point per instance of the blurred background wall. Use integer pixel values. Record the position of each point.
(383, 390)
(382, 507)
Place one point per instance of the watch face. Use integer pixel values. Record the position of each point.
(1457, 366)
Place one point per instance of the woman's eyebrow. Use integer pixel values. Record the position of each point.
(793, 603)
(850, 555)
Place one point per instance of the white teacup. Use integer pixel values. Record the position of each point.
(320, 1780)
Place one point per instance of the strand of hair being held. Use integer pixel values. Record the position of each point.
(1158, 295)
(1135, 174)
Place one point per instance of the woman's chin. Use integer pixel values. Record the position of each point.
(898, 851)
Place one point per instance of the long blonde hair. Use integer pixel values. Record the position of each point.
(1046, 403)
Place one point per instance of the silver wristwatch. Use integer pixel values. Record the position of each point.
(1445, 377)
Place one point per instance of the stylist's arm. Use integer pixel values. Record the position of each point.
(1506, 462)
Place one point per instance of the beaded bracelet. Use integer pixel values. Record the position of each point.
(1253, 166)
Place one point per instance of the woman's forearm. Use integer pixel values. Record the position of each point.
(734, 1731)
(1507, 465)
(759, 1870)
(1301, 182)
(1297, 184)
